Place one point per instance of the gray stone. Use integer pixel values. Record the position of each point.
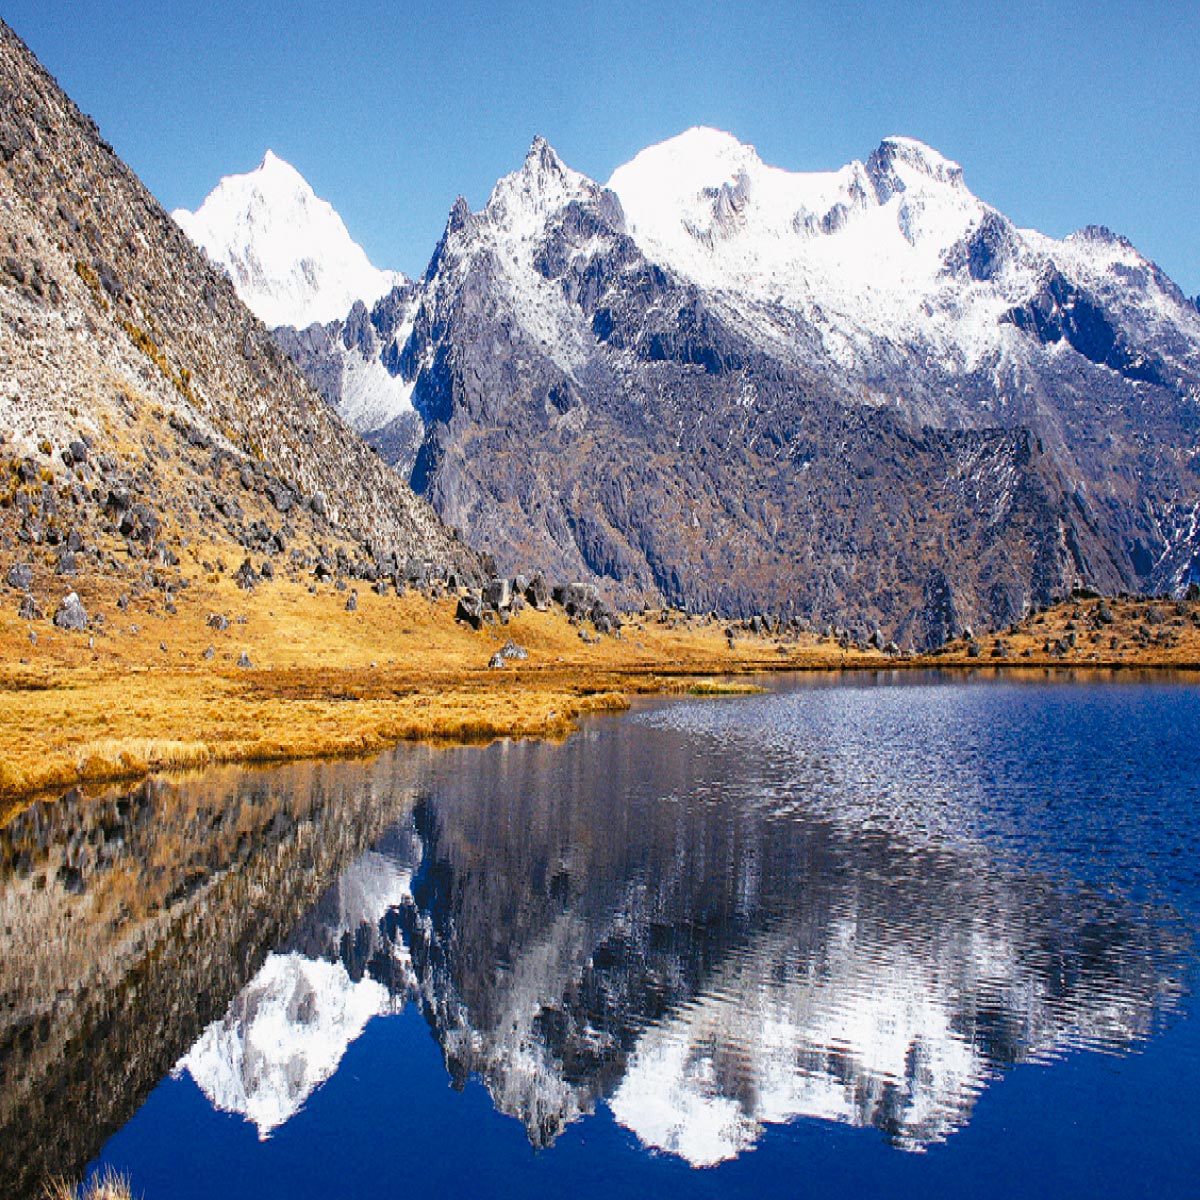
(29, 609)
(281, 496)
(498, 594)
(20, 576)
(514, 653)
(71, 614)
(244, 661)
(538, 593)
(209, 653)
(352, 602)
(245, 576)
(497, 661)
(470, 609)
(217, 621)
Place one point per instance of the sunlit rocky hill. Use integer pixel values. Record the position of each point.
(146, 417)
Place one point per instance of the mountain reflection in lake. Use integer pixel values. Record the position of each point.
(710, 918)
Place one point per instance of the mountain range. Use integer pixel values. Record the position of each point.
(859, 395)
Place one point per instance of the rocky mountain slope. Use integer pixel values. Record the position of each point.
(145, 415)
(287, 251)
(860, 395)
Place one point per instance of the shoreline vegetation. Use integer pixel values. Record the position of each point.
(108, 1185)
(296, 673)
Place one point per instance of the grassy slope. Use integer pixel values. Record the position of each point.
(325, 681)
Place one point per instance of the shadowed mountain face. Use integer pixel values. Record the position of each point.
(863, 395)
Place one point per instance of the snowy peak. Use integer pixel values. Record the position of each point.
(521, 203)
(899, 163)
(288, 252)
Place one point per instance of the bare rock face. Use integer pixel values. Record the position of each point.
(145, 405)
(70, 614)
(591, 404)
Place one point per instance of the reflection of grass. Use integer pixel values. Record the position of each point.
(107, 1185)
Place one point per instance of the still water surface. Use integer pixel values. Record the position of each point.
(869, 935)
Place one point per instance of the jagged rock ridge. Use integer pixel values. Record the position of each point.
(859, 396)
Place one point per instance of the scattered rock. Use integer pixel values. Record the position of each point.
(29, 610)
(217, 621)
(352, 602)
(538, 593)
(244, 661)
(498, 594)
(511, 651)
(246, 577)
(71, 614)
(470, 609)
(209, 653)
(497, 661)
(20, 576)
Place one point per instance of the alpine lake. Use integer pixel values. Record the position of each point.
(861, 935)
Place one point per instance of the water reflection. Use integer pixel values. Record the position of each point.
(708, 967)
(709, 917)
(132, 917)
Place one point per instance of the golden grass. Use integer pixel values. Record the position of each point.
(108, 1185)
(325, 682)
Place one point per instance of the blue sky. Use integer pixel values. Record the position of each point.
(1061, 114)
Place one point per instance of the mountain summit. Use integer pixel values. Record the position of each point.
(288, 252)
(860, 394)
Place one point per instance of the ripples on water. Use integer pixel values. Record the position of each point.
(851, 903)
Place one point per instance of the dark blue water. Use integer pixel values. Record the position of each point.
(860, 936)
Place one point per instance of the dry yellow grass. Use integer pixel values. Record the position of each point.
(326, 682)
(108, 1185)
(141, 696)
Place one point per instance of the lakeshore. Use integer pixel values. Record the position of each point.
(154, 690)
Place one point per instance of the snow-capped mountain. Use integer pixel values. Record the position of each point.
(860, 396)
(895, 250)
(287, 1030)
(287, 251)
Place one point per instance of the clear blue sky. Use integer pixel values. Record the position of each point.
(1062, 114)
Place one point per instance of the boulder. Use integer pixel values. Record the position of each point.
(537, 592)
(470, 608)
(20, 576)
(246, 576)
(514, 653)
(217, 621)
(29, 609)
(244, 661)
(71, 613)
(352, 602)
(497, 661)
(577, 598)
(498, 594)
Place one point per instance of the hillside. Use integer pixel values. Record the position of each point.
(146, 417)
